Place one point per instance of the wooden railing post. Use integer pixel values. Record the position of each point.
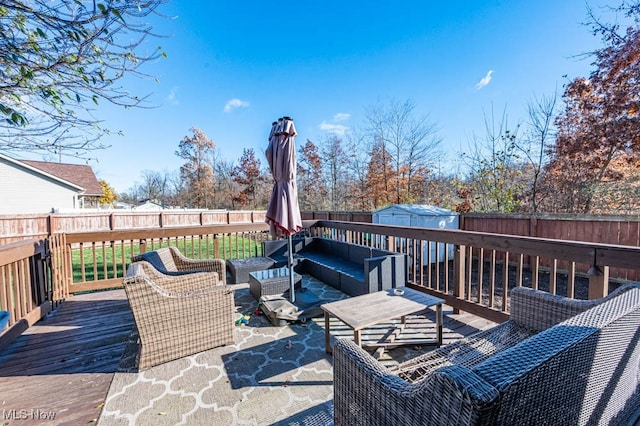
(459, 262)
(391, 243)
(598, 282)
(216, 246)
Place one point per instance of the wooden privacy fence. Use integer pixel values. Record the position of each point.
(20, 227)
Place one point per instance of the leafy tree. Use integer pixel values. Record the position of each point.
(248, 176)
(444, 191)
(600, 126)
(109, 195)
(59, 60)
(197, 171)
(312, 191)
(379, 177)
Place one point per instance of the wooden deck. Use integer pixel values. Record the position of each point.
(63, 366)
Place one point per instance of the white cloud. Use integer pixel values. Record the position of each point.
(236, 103)
(485, 80)
(341, 116)
(334, 129)
(172, 97)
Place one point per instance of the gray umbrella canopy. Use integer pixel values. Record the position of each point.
(283, 212)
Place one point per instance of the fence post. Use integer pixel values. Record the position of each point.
(459, 261)
(52, 224)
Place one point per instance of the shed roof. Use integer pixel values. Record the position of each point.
(79, 174)
(420, 209)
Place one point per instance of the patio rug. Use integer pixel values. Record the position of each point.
(271, 375)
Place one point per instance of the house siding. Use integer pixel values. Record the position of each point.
(24, 191)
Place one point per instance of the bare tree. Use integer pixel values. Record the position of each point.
(358, 159)
(225, 186)
(412, 143)
(536, 144)
(334, 161)
(59, 60)
(493, 167)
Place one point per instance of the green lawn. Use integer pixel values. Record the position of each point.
(230, 247)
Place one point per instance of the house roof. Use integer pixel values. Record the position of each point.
(78, 174)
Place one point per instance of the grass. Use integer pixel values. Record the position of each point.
(106, 261)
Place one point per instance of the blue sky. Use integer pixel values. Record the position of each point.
(234, 67)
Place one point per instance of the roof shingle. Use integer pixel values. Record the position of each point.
(79, 174)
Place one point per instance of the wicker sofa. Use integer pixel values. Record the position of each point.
(170, 261)
(350, 268)
(178, 315)
(555, 362)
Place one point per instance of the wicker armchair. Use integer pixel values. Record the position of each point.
(170, 261)
(177, 316)
(537, 368)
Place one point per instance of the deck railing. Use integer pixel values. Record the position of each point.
(99, 260)
(472, 271)
(26, 285)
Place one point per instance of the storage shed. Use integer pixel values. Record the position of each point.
(423, 216)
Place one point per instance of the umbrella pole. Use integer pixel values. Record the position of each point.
(292, 291)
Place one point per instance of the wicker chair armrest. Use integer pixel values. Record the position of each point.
(368, 394)
(208, 265)
(466, 352)
(190, 283)
(539, 310)
(185, 264)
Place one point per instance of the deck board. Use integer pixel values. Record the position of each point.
(65, 363)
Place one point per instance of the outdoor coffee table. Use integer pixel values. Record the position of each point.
(371, 309)
(239, 269)
(272, 282)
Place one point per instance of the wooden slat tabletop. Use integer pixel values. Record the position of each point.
(370, 309)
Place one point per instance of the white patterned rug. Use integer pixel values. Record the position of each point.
(271, 375)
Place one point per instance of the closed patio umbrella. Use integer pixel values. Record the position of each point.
(283, 212)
